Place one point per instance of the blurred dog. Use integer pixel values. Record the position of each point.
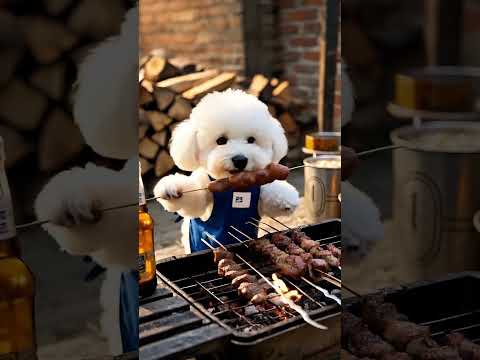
(227, 132)
(105, 109)
(361, 224)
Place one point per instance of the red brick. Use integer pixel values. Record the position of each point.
(311, 55)
(291, 56)
(301, 15)
(286, 3)
(289, 29)
(306, 69)
(314, 2)
(304, 41)
(312, 28)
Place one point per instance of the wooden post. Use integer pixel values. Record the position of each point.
(328, 66)
(443, 31)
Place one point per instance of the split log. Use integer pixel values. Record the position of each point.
(60, 141)
(158, 120)
(218, 83)
(180, 110)
(9, 59)
(21, 106)
(142, 130)
(143, 60)
(47, 39)
(272, 110)
(97, 19)
(147, 85)
(148, 148)
(258, 84)
(16, 147)
(56, 7)
(51, 80)
(164, 97)
(183, 83)
(288, 123)
(161, 138)
(142, 117)
(163, 164)
(281, 95)
(145, 165)
(144, 97)
(159, 68)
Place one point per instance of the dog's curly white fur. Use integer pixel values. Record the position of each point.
(105, 110)
(361, 224)
(249, 130)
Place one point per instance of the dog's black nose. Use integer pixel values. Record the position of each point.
(240, 162)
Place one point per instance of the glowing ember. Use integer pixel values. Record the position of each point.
(283, 289)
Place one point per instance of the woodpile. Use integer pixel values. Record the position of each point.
(170, 88)
(41, 46)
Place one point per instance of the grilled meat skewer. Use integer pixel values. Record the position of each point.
(429, 349)
(249, 287)
(361, 341)
(384, 318)
(289, 265)
(468, 350)
(286, 244)
(314, 248)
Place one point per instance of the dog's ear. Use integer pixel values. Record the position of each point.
(279, 141)
(184, 147)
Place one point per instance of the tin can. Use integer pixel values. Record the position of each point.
(322, 187)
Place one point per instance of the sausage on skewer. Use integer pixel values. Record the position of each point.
(246, 179)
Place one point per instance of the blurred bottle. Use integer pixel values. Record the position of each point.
(17, 287)
(146, 249)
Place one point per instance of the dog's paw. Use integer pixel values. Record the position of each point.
(169, 188)
(77, 210)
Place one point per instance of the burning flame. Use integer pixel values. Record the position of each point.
(283, 289)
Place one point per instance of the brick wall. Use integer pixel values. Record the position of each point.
(300, 24)
(275, 37)
(206, 31)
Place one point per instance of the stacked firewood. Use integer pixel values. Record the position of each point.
(41, 45)
(170, 88)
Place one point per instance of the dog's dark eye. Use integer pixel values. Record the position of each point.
(222, 140)
(251, 140)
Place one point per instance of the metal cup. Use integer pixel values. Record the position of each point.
(322, 187)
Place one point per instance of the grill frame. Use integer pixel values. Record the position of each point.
(269, 332)
(455, 291)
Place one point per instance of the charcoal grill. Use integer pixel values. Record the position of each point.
(276, 332)
(451, 304)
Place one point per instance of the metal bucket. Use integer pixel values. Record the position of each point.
(322, 187)
(436, 195)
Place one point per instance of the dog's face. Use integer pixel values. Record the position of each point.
(228, 132)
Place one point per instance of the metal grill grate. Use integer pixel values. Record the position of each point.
(215, 294)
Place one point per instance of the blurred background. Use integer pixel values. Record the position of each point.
(41, 45)
(380, 40)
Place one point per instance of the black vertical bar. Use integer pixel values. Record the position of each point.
(330, 58)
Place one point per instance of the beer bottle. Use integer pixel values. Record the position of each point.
(17, 288)
(146, 249)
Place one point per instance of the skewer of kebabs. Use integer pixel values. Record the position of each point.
(406, 337)
(249, 286)
(296, 241)
(255, 290)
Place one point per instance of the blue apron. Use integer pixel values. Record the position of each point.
(129, 311)
(230, 208)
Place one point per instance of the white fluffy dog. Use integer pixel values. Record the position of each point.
(227, 132)
(105, 110)
(361, 224)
